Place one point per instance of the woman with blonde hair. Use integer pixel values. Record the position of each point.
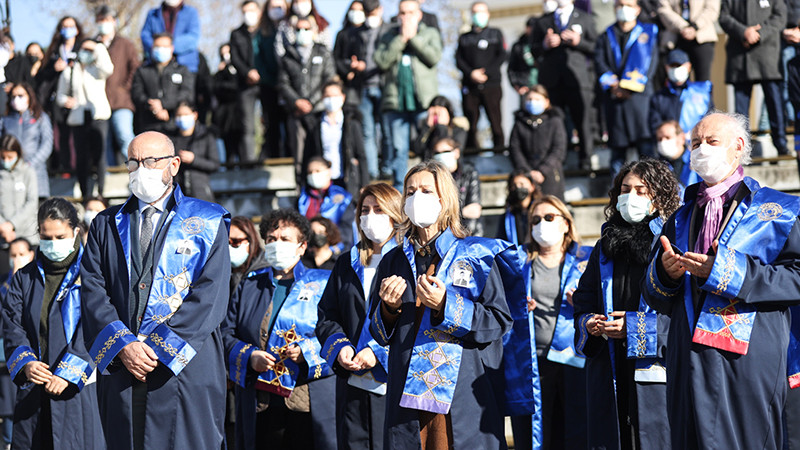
(343, 327)
(554, 265)
(439, 303)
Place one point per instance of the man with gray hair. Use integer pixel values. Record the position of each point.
(726, 272)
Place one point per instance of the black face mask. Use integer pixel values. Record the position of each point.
(318, 240)
(517, 195)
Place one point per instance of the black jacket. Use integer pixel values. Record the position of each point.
(429, 136)
(173, 85)
(763, 60)
(354, 177)
(226, 116)
(242, 56)
(304, 80)
(540, 143)
(522, 67)
(354, 41)
(564, 65)
(194, 177)
(18, 69)
(481, 49)
(469, 191)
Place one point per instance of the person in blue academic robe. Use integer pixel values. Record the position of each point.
(359, 361)
(522, 190)
(622, 339)
(155, 289)
(726, 274)
(285, 394)
(56, 403)
(552, 269)
(441, 308)
(319, 196)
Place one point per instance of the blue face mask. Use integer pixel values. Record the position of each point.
(57, 250)
(162, 54)
(534, 107)
(85, 57)
(69, 32)
(184, 123)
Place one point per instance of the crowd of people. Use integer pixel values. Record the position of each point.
(375, 314)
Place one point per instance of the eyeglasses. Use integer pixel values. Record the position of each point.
(148, 163)
(235, 243)
(547, 217)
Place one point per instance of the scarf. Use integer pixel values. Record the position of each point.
(712, 198)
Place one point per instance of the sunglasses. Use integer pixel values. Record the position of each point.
(547, 217)
(235, 243)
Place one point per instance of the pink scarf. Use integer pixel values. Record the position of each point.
(713, 198)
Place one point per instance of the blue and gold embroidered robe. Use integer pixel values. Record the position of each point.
(186, 391)
(242, 335)
(606, 277)
(74, 414)
(730, 400)
(478, 396)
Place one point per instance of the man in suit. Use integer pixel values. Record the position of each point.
(155, 277)
(563, 44)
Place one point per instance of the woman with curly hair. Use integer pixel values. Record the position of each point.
(624, 340)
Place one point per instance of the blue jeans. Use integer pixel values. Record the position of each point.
(774, 102)
(121, 132)
(370, 108)
(395, 156)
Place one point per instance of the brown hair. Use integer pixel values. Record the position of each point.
(33, 103)
(571, 235)
(450, 216)
(331, 230)
(246, 225)
(391, 202)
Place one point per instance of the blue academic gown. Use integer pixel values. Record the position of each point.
(242, 334)
(717, 398)
(74, 415)
(338, 206)
(184, 409)
(605, 377)
(476, 411)
(342, 315)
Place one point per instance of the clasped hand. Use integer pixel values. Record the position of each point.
(139, 359)
(38, 372)
(600, 324)
(365, 359)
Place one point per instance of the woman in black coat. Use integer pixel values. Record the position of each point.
(538, 141)
(196, 145)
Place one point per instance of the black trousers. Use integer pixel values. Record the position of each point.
(701, 56)
(280, 427)
(490, 97)
(577, 102)
(90, 148)
(274, 124)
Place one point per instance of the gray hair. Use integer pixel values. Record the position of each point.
(739, 126)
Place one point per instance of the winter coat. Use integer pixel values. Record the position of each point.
(540, 143)
(763, 60)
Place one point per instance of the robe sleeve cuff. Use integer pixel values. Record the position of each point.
(727, 273)
(21, 356)
(458, 313)
(109, 342)
(317, 367)
(607, 79)
(378, 328)
(583, 334)
(642, 334)
(655, 288)
(238, 361)
(74, 369)
(333, 345)
(171, 349)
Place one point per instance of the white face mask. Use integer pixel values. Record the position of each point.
(239, 254)
(88, 217)
(281, 255)
(374, 21)
(448, 159)
(147, 184)
(626, 14)
(302, 9)
(305, 38)
(19, 103)
(276, 14)
(173, 3)
(547, 234)
(57, 250)
(423, 209)
(669, 148)
(251, 18)
(376, 227)
(356, 17)
(333, 104)
(678, 75)
(105, 28)
(634, 208)
(550, 6)
(711, 162)
(319, 180)
(563, 3)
